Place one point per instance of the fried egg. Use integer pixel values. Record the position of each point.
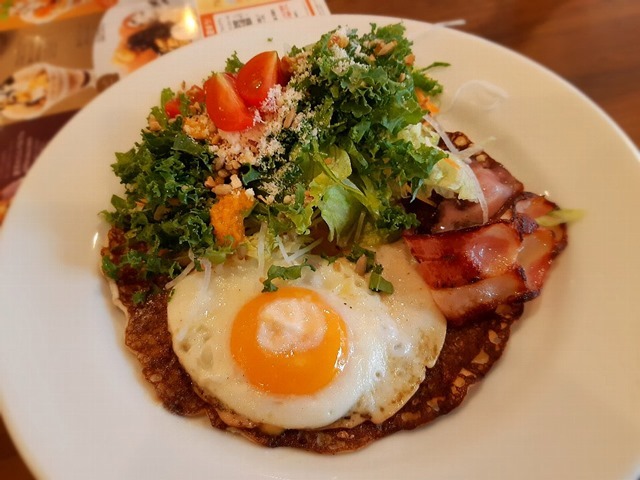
(321, 350)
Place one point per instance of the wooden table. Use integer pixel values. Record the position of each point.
(594, 44)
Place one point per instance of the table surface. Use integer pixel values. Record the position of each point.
(594, 44)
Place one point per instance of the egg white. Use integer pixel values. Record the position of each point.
(391, 338)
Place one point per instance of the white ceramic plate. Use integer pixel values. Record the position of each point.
(562, 403)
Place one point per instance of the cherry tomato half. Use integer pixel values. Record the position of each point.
(172, 107)
(196, 94)
(225, 107)
(258, 76)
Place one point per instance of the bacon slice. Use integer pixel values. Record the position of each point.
(540, 245)
(456, 258)
(497, 183)
(475, 268)
(478, 300)
(473, 271)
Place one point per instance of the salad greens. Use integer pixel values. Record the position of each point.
(342, 169)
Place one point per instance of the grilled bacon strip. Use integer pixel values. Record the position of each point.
(473, 268)
(473, 271)
(500, 188)
(458, 257)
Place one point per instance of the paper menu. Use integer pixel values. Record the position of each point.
(134, 33)
(219, 16)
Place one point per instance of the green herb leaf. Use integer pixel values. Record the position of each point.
(233, 63)
(377, 282)
(109, 268)
(251, 175)
(285, 273)
(357, 252)
(139, 297)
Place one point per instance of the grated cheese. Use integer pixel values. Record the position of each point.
(234, 149)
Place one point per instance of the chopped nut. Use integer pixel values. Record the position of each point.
(481, 358)
(210, 182)
(288, 120)
(269, 199)
(461, 142)
(409, 417)
(219, 163)
(153, 124)
(288, 63)
(215, 137)
(384, 48)
(222, 189)
(361, 265)
(338, 39)
(434, 403)
(235, 181)
(242, 251)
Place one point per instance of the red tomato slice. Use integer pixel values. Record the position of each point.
(225, 107)
(258, 76)
(196, 94)
(172, 107)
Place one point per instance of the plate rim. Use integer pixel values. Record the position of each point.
(14, 430)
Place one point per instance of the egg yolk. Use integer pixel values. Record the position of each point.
(289, 342)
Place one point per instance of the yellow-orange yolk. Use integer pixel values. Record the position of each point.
(289, 342)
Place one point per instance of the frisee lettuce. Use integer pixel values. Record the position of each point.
(347, 166)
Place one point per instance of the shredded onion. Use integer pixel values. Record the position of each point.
(303, 251)
(441, 133)
(359, 227)
(206, 264)
(183, 274)
(496, 95)
(482, 201)
(463, 159)
(261, 244)
(476, 186)
(283, 251)
(469, 152)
